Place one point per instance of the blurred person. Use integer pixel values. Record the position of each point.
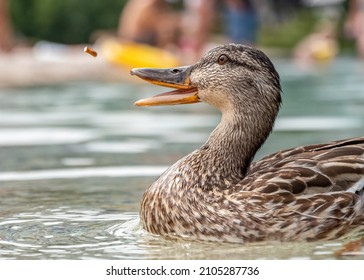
(196, 27)
(5, 28)
(151, 22)
(355, 24)
(319, 46)
(241, 21)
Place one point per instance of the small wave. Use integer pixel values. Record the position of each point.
(43, 136)
(316, 123)
(121, 146)
(111, 171)
(125, 228)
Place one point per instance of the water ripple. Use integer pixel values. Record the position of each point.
(111, 171)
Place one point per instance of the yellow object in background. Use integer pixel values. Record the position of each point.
(324, 50)
(133, 55)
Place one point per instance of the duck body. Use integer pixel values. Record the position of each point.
(216, 194)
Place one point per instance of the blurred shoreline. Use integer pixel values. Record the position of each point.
(46, 64)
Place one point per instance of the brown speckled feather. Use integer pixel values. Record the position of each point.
(216, 194)
(331, 167)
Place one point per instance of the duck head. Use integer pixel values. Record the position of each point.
(231, 78)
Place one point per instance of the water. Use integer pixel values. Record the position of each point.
(76, 159)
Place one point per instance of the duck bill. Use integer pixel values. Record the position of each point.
(177, 78)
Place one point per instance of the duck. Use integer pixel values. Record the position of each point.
(218, 193)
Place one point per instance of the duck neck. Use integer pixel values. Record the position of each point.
(231, 147)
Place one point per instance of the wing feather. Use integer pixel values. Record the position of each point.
(336, 166)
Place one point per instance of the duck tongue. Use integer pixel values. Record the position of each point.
(174, 97)
(177, 78)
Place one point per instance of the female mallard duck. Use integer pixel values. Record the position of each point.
(216, 194)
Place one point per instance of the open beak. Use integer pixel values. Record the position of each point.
(178, 78)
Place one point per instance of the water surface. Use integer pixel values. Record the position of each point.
(76, 159)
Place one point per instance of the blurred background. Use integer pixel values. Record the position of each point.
(76, 155)
(34, 30)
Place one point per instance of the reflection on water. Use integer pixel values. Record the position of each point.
(76, 159)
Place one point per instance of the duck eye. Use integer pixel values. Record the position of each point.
(222, 59)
